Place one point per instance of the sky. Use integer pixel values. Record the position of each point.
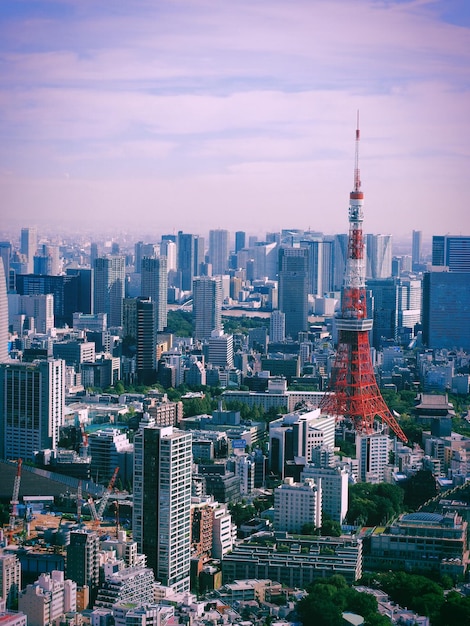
(165, 115)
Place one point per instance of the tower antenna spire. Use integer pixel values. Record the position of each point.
(357, 174)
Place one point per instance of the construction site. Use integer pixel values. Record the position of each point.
(44, 509)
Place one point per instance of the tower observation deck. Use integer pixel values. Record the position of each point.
(354, 390)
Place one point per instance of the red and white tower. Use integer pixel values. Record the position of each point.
(355, 394)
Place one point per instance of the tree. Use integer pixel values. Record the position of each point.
(419, 489)
(373, 504)
(455, 610)
(412, 590)
(330, 528)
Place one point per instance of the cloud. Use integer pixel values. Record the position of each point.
(192, 102)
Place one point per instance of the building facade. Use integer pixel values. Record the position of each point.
(109, 287)
(32, 407)
(293, 289)
(162, 502)
(207, 307)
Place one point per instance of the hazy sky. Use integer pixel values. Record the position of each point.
(194, 114)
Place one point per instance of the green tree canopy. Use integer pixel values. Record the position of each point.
(372, 504)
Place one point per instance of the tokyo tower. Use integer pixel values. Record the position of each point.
(354, 390)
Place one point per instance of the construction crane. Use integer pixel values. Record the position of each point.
(15, 495)
(106, 495)
(92, 507)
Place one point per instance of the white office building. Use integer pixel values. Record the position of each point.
(372, 452)
(297, 504)
(334, 487)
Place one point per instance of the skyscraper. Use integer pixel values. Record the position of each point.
(190, 257)
(416, 243)
(446, 310)
(109, 287)
(277, 327)
(218, 251)
(207, 306)
(5, 254)
(293, 289)
(384, 311)
(47, 260)
(162, 502)
(32, 404)
(71, 292)
(379, 256)
(3, 315)
(28, 245)
(146, 341)
(240, 240)
(452, 251)
(154, 285)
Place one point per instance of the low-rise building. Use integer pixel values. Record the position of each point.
(295, 561)
(421, 542)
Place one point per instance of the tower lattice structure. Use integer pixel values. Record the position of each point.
(354, 392)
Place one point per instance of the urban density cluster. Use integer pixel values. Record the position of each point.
(183, 421)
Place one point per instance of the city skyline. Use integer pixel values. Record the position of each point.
(200, 115)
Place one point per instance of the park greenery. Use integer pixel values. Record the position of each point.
(374, 504)
(328, 598)
(424, 596)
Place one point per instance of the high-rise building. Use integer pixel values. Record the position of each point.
(109, 287)
(453, 251)
(68, 291)
(409, 305)
(5, 254)
(146, 340)
(218, 251)
(384, 310)
(220, 350)
(28, 246)
(372, 452)
(446, 310)
(379, 256)
(168, 249)
(162, 502)
(293, 289)
(354, 390)
(416, 254)
(154, 285)
(334, 483)
(47, 260)
(32, 404)
(314, 245)
(190, 258)
(340, 253)
(3, 315)
(240, 240)
(277, 327)
(297, 504)
(110, 448)
(39, 309)
(207, 306)
(83, 560)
